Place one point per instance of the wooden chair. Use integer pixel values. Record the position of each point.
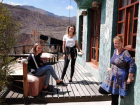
(32, 85)
(21, 75)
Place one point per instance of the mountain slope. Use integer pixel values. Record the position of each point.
(72, 19)
(43, 23)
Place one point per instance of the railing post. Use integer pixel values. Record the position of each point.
(23, 49)
(25, 80)
(57, 47)
(15, 50)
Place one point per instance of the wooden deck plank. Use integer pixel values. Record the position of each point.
(54, 83)
(91, 92)
(65, 90)
(15, 95)
(50, 95)
(20, 95)
(4, 92)
(74, 88)
(60, 89)
(79, 87)
(9, 95)
(84, 88)
(82, 81)
(69, 87)
(93, 84)
(86, 83)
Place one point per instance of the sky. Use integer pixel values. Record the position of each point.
(58, 7)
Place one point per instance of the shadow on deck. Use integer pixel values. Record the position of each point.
(84, 88)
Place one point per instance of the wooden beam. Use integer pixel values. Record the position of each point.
(25, 80)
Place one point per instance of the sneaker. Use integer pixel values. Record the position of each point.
(61, 83)
(49, 90)
(45, 90)
(70, 80)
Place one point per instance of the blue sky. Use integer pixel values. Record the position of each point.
(58, 7)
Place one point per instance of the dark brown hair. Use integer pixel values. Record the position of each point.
(67, 31)
(34, 48)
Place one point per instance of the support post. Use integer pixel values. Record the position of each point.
(23, 49)
(57, 51)
(25, 81)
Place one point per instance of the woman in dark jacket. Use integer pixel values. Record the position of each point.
(35, 67)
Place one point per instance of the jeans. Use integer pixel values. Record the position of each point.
(66, 66)
(115, 97)
(46, 70)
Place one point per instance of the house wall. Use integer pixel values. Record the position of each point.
(134, 88)
(82, 59)
(108, 30)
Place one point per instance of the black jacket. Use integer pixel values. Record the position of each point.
(72, 51)
(31, 63)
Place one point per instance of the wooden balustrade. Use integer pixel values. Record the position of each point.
(24, 47)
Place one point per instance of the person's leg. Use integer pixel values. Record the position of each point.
(65, 67)
(40, 72)
(72, 67)
(102, 91)
(50, 68)
(115, 98)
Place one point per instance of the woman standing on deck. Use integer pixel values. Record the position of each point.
(120, 73)
(69, 50)
(35, 67)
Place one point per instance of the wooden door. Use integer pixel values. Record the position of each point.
(95, 36)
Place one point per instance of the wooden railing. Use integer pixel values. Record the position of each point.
(25, 49)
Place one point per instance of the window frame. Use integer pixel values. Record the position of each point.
(95, 36)
(81, 31)
(134, 6)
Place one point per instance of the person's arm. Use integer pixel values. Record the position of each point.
(132, 67)
(130, 78)
(29, 60)
(76, 43)
(40, 62)
(64, 43)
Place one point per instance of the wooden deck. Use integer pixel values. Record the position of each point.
(84, 88)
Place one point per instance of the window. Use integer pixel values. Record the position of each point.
(95, 36)
(127, 23)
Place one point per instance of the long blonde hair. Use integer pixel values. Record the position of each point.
(67, 31)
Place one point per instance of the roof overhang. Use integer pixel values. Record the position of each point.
(85, 4)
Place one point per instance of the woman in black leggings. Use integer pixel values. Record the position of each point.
(114, 97)
(120, 74)
(69, 50)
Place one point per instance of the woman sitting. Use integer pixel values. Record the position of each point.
(35, 67)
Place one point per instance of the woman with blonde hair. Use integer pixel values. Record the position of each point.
(120, 74)
(70, 44)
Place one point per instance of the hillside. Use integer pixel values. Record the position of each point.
(72, 19)
(50, 25)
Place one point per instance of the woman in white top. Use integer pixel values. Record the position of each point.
(69, 50)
